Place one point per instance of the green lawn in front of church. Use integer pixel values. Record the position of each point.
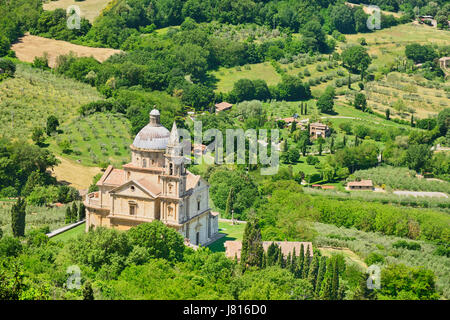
(233, 232)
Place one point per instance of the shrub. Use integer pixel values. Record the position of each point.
(406, 245)
(374, 258)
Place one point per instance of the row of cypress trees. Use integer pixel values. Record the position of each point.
(321, 272)
(75, 213)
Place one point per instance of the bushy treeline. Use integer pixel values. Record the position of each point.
(284, 205)
(24, 173)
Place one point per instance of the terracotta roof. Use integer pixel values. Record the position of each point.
(156, 189)
(233, 248)
(115, 177)
(444, 59)
(362, 183)
(318, 125)
(191, 180)
(327, 187)
(223, 106)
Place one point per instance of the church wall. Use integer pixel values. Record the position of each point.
(144, 208)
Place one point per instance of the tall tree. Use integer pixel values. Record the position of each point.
(356, 58)
(230, 202)
(18, 212)
(81, 211)
(68, 216)
(320, 275)
(313, 270)
(252, 249)
(74, 213)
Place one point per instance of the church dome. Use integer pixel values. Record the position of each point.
(153, 136)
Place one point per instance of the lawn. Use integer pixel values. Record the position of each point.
(228, 76)
(233, 232)
(70, 234)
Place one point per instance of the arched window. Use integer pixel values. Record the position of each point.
(171, 169)
(144, 163)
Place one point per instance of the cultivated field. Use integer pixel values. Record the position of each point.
(101, 138)
(74, 173)
(32, 95)
(387, 44)
(29, 47)
(228, 76)
(90, 9)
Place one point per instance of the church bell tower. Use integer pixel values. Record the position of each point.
(174, 178)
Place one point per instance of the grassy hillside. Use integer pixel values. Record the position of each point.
(28, 99)
(98, 139)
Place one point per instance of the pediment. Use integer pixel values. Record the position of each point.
(133, 189)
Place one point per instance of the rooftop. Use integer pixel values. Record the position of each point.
(223, 106)
(233, 248)
(362, 183)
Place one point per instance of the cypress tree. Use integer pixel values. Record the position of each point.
(388, 114)
(272, 254)
(412, 121)
(320, 275)
(74, 212)
(335, 281)
(301, 262)
(68, 217)
(230, 202)
(252, 250)
(306, 109)
(301, 108)
(81, 212)
(306, 266)
(344, 142)
(332, 145)
(18, 212)
(289, 261)
(313, 271)
(320, 149)
(293, 126)
(326, 292)
(294, 262)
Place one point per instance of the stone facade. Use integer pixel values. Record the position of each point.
(155, 185)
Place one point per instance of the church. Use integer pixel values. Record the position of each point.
(155, 185)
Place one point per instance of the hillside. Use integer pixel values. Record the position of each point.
(32, 95)
(29, 47)
(90, 9)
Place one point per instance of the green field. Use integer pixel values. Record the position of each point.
(32, 95)
(228, 76)
(101, 138)
(233, 232)
(70, 234)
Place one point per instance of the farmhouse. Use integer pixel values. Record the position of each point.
(318, 129)
(233, 248)
(155, 185)
(360, 185)
(223, 106)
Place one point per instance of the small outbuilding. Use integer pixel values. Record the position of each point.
(223, 106)
(360, 185)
